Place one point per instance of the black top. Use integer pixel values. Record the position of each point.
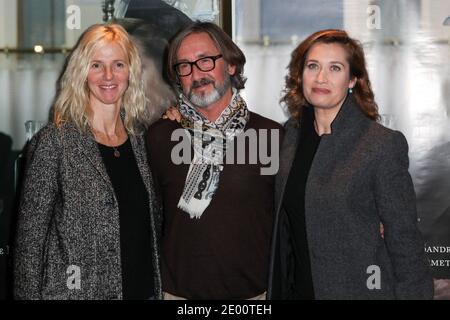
(135, 229)
(294, 204)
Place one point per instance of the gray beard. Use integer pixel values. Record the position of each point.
(204, 101)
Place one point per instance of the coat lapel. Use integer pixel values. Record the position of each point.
(89, 148)
(138, 145)
(287, 156)
(139, 150)
(335, 147)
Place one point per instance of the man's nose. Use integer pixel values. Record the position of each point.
(196, 72)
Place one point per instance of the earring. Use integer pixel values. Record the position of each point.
(350, 90)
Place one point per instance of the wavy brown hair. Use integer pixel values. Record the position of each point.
(293, 93)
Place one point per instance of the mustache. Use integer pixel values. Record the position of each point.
(201, 82)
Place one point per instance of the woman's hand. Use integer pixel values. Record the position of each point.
(172, 114)
(441, 289)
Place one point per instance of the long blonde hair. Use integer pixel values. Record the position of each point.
(72, 101)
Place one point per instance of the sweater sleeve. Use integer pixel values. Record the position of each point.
(396, 204)
(38, 198)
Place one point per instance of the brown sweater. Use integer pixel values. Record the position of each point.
(225, 253)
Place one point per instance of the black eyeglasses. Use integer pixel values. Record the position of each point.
(204, 64)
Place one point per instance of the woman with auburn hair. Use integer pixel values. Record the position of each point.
(342, 174)
(89, 221)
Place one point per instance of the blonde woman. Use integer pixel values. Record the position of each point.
(88, 225)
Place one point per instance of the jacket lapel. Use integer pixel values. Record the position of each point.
(287, 156)
(138, 145)
(334, 148)
(88, 146)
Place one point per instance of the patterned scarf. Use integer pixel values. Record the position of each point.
(210, 142)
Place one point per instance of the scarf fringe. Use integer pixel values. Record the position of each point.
(195, 207)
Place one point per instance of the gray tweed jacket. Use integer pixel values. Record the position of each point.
(359, 178)
(68, 223)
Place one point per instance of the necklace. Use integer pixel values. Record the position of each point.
(116, 152)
